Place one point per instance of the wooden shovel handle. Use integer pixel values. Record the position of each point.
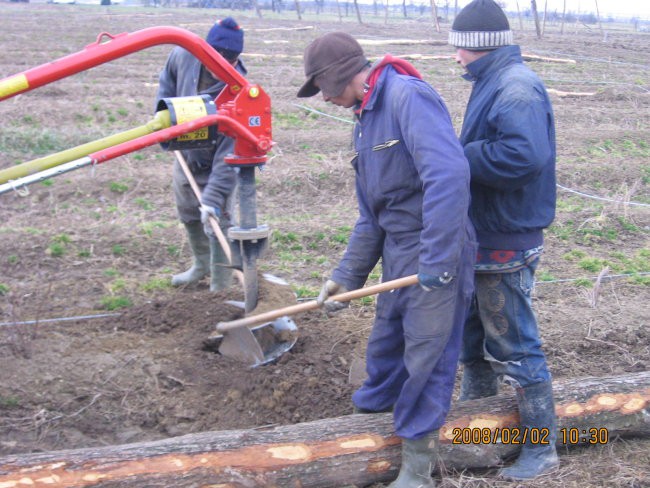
(313, 304)
(213, 222)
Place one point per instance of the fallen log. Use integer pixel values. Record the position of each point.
(354, 449)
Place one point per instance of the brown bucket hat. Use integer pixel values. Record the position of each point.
(332, 60)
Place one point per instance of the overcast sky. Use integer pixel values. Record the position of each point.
(627, 8)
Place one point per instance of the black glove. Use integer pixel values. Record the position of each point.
(429, 282)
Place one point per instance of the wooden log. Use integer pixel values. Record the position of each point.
(354, 449)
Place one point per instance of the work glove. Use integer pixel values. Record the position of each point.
(430, 282)
(329, 289)
(206, 213)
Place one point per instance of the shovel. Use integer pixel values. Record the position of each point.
(240, 343)
(230, 345)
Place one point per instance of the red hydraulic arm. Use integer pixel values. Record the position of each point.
(247, 105)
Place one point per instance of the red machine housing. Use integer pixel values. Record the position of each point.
(243, 109)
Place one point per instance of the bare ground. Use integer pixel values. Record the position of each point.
(92, 238)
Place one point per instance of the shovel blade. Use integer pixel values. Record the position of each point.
(240, 344)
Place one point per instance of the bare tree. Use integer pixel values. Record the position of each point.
(533, 7)
(563, 17)
(521, 21)
(298, 9)
(386, 13)
(257, 9)
(434, 13)
(403, 7)
(338, 10)
(356, 7)
(600, 25)
(544, 22)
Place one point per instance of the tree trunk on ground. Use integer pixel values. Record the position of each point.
(533, 7)
(354, 449)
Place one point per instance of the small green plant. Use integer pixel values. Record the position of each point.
(144, 204)
(148, 227)
(56, 249)
(84, 253)
(173, 250)
(47, 182)
(305, 292)
(545, 276)
(123, 112)
(118, 285)
(12, 259)
(584, 283)
(157, 284)
(9, 402)
(4, 289)
(117, 187)
(593, 264)
(111, 272)
(574, 255)
(116, 302)
(117, 250)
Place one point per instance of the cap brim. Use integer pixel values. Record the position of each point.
(308, 89)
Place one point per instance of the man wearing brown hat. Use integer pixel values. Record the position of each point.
(412, 185)
(508, 136)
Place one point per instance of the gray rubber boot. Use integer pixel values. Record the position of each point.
(537, 414)
(418, 460)
(220, 271)
(479, 381)
(200, 247)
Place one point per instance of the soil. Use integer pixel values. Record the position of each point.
(77, 372)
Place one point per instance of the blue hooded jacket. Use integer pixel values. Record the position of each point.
(509, 139)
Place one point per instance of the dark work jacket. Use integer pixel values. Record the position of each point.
(180, 78)
(412, 184)
(508, 136)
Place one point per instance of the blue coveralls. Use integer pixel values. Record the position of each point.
(412, 183)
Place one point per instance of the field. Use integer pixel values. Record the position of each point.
(97, 246)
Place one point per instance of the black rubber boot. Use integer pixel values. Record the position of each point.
(537, 414)
(201, 251)
(479, 381)
(220, 270)
(418, 460)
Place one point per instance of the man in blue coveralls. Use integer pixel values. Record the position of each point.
(412, 184)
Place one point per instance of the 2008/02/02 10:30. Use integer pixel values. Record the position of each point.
(517, 435)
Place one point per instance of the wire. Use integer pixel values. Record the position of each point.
(347, 121)
(602, 198)
(61, 319)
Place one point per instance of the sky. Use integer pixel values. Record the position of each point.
(620, 8)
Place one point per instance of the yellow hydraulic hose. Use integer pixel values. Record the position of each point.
(162, 120)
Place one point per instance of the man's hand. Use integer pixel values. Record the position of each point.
(429, 282)
(206, 213)
(329, 289)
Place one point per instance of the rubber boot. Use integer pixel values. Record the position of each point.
(418, 460)
(220, 270)
(537, 413)
(200, 250)
(479, 381)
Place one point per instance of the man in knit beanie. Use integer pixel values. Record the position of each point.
(508, 136)
(184, 75)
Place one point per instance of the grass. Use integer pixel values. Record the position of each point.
(115, 302)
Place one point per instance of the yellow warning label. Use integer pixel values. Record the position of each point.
(13, 84)
(190, 108)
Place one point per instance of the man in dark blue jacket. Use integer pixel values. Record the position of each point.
(508, 136)
(184, 75)
(412, 184)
